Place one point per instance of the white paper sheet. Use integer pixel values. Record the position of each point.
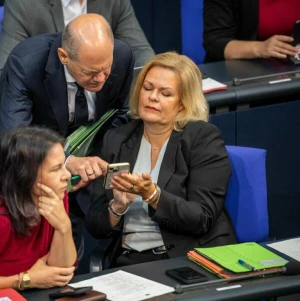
(209, 85)
(290, 247)
(123, 286)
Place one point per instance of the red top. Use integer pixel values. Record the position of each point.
(277, 17)
(19, 253)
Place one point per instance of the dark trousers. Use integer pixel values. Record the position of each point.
(134, 257)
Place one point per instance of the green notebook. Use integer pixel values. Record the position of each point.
(80, 142)
(251, 253)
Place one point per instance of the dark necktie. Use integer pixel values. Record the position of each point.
(81, 113)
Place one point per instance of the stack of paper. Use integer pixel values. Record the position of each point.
(225, 261)
(80, 142)
(123, 286)
(210, 85)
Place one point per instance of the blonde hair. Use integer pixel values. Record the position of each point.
(190, 87)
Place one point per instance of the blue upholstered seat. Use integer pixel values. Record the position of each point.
(1, 17)
(192, 29)
(246, 199)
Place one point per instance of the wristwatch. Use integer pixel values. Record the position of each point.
(25, 281)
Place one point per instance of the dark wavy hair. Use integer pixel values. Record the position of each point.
(22, 151)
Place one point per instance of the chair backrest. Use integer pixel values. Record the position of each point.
(246, 199)
(192, 29)
(1, 17)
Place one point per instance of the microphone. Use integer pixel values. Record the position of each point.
(291, 268)
(239, 81)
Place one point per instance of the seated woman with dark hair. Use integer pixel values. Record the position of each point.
(36, 244)
(173, 200)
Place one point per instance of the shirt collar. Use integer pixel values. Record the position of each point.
(69, 77)
(65, 3)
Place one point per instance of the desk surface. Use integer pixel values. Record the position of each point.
(252, 289)
(254, 92)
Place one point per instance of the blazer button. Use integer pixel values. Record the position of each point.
(170, 247)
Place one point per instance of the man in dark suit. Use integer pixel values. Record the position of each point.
(39, 83)
(38, 80)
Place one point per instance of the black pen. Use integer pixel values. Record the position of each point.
(245, 264)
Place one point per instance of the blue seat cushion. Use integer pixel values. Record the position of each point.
(246, 199)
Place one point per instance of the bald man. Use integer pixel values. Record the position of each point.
(41, 77)
(39, 82)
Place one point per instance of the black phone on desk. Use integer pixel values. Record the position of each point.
(70, 292)
(186, 275)
(295, 59)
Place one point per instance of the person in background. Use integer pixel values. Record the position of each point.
(173, 199)
(64, 80)
(28, 18)
(249, 29)
(36, 244)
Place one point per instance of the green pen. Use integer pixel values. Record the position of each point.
(75, 180)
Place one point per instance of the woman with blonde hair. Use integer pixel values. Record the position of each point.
(173, 199)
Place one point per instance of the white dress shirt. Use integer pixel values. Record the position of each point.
(72, 89)
(72, 9)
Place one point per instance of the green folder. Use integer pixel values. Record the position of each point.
(251, 253)
(80, 142)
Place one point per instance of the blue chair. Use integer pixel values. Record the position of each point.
(1, 17)
(246, 199)
(192, 30)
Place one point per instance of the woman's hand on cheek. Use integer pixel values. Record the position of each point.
(44, 276)
(52, 209)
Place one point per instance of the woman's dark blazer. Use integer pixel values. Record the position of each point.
(227, 20)
(193, 178)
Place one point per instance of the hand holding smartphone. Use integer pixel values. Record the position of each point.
(186, 275)
(296, 43)
(113, 170)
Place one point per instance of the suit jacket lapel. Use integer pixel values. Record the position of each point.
(92, 6)
(130, 148)
(168, 164)
(56, 87)
(57, 14)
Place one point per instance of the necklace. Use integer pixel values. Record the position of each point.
(147, 138)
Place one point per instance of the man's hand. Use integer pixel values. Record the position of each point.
(88, 168)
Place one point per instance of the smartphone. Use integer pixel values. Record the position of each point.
(113, 170)
(296, 35)
(70, 292)
(186, 275)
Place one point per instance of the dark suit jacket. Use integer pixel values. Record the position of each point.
(34, 88)
(28, 18)
(227, 20)
(193, 178)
